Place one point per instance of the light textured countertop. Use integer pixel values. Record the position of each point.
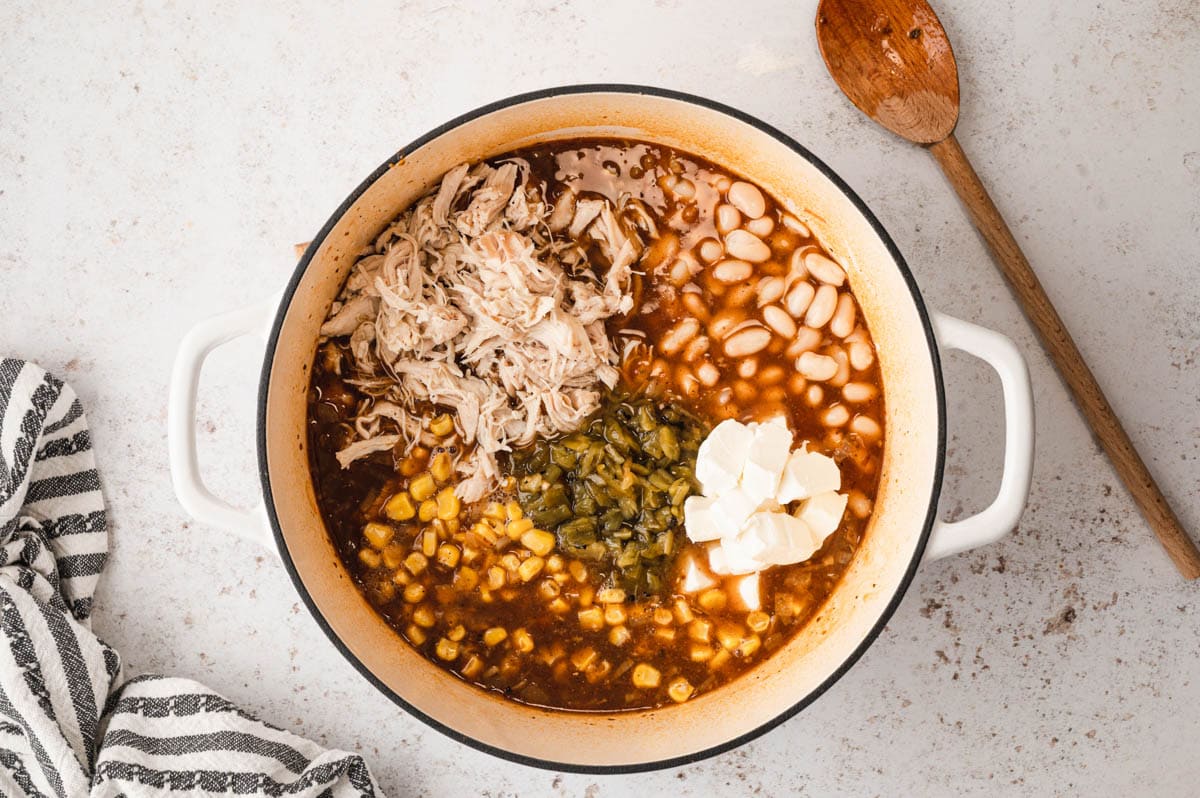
(157, 163)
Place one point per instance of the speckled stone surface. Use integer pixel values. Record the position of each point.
(157, 162)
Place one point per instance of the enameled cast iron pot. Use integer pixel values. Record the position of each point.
(903, 531)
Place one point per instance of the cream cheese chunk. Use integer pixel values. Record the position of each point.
(750, 475)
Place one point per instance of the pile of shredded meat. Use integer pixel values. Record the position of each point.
(485, 299)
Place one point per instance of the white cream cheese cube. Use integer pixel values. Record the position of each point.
(721, 455)
(823, 514)
(727, 557)
(766, 458)
(730, 510)
(806, 474)
(695, 577)
(746, 592)
(698, 519)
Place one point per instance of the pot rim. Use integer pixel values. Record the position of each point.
(541, 94)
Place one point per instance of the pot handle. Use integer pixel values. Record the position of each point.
(1002, 515)
(193, 494)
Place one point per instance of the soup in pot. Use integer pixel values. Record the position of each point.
(596, 425)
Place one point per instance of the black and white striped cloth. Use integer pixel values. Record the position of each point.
(70, 725)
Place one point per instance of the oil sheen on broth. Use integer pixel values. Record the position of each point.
(510, 611)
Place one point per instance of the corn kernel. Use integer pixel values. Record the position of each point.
(495, 511)
(423, 616)
(554, 564)
(416, 634)
(614, 614)
(758, 621)
(399, 507)
(448, 555)
(531, 568)
(410, 467)
(683, 611)
(497, 577)
(597, 671)
(559, 606)
(385, 592)
(749, 647)
(422, 487)
(401, 577)
(442, 467)
(510, 562)
(447, 650)
(646, 676)
(539, 541)
(578, 571)
(427, 511)
(369, 558)
(414, 593)
(665, 634)
(470, 554)
(522, 641)
(719, 660)
(730, 637)
(592, 619)
(473, 667)
(663, 616)
(457, 633)
(700, 630)
(429, 540)
(584, 657)
(611, 595)
(680, 689)
(619, 635)
(494, 636)
(441, 425)
(548, 589)
(513, 511)
(415, 563)
(585, 596)
(448, 505)
(393, 555)
(700, 653)
(484, 532)
(378, 535)
(466, 579)
(518, 527)
(713, 599)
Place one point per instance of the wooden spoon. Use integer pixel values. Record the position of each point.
(893, 60)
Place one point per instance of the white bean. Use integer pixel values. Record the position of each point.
(859, 392)
(728, 219)
(694, 350)
(744, 391)
(708, 374)
(861, 355)
(835, 416)
(732, 271)
(814, 395)
(796, 226)
(770, 289)
(822, 307)
(859, 504)
(816, 367)
(694, 302)
(796, 268)
(687, 382)
(771, 374)
(806, 340)
(775, 395)
(740, 294)
(684, 268)
(842, 323)
(725, 321)
(799, 297)
(843, 373)
(710, 250)
(744, 245)
(747, 368)
(778, 320)
(867, 428)
(678, 336)
(762, 227)
(722, 183)
(747, 341)
(824, 269)
(859, 334)
(747, 199)
(797, 383)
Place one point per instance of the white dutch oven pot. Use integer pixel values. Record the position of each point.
(903, 531)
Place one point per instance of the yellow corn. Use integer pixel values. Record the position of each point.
(719, 660)
(749, 647)
(548, 589)
(415, 563)
(466, 579)
(713, 599)
(583, 658)
(539, 541)
(497, 576)
(448, 505)
(416, 634)
(729, 637)
(619, 635)
(484, 531)
(378, 535)
(646, 676)
(441, 425)
(680, 689)
(495, 636)
(700, 653)
(518, 527)
(614, 614)
(510, 562)
(513, 511)
(442, 467)
(531, 568)
(427, 511)
(393, 555)
(683, 612)
(578, 571)
(559, 606)
(429, 540)
(522, 641)
(585, 596)
(399, 507)
(423, 616)
(401, 577)
(447, 650)
(592, 619)
(422, 487)
(414, 593)
(700, 630)
(665, 634)
(410, 467)
(758, 621)
(495, 511)
(597, 671)
(554, 564)
(448, 555)
(369, 557)
(473, 667)
(457, 633)
(611, 595)
(663, 616)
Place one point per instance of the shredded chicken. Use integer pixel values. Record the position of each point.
(481, 298)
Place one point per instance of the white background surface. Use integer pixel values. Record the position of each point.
(157, 162)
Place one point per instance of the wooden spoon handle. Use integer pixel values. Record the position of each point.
(1067, 358)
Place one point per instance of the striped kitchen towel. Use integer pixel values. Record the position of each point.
(69, 724)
